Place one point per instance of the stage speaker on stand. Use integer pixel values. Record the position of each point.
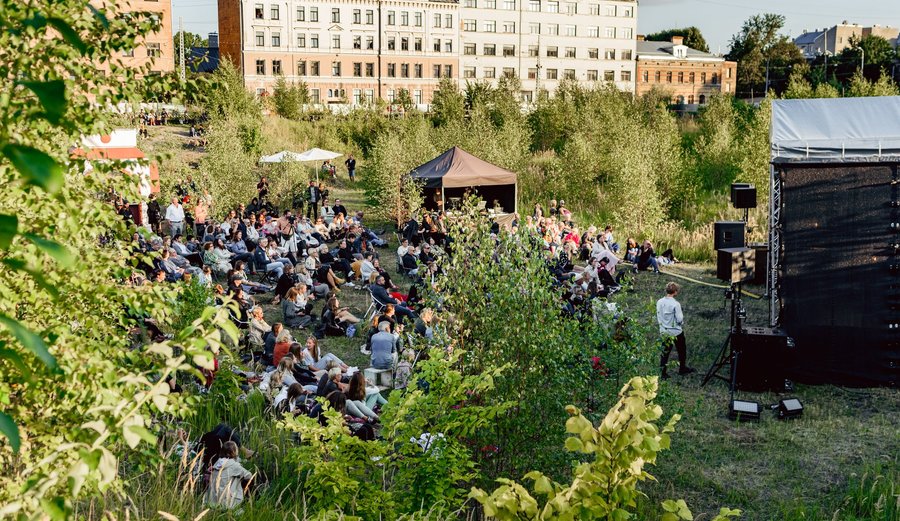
(743, 195)
(735, 265)
(729, 234)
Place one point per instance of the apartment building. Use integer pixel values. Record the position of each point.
(158, 47)
(833, 40)
(541, 42)
(344, 50)
(689, 75)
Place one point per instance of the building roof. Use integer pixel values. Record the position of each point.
(808, 38)
(649, 49)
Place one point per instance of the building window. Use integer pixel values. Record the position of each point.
(471, 3)
(470, 25)
(627, 12)
(592, 75)
(532, 73)
(509, 27)
(609, 54)
(276, 39)
(509, 5)
(626, 33)
(357, 70)
(417, 18)
(552, 7)
(692, 77)
(336, 69)
(357, 42)
(370, 17)
(625, 75)
(335, 16)
(533, 51)
(593, 53)
(436, 71)
(703, 99)
(276, 67)
(490, 26)
(335, 42)
(552, 52)
(273, 12)
(490, 4)
(728, 72)
(448, 21)
(313, 14)
(437, 45)
(570, 52)
(448, 46)
(437, 19)
(417, 44)
(609, 75)
(390, 95)
(534, 6)
(260, 39)
(357, 96)
(370, 70)
(593, 32)
(301, 68)
(301, 14)
(314, 96)
(314, 41)
(314, 69)
(417, 70)
(715, 78)
(404, 70)
(370, 42)
(392, 43)
(509, 50)
(154, 52)
(489, 49)
(392, 18)
(404, 44)
(370, 95)
(260, 67)
(594, 9)
(703, 78)
(259, 11)
(551, 74)
(392, 70)
(404, 18)
(534, 28)
(645, 77)
(569, 74)
(669, 77)
(609, 32)
(469, 72)
(625, 54)
(657, 76)
(301, 40)
(509, 72)
(357, 16)
(469, 49)
(609, 10)
(490, 72)
(417, 97)
(552, 29)
(691, 99)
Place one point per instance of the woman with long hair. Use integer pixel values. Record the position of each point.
(342, 314)
(314, 362)
(360, 391)
(294, 309)
(356, 398)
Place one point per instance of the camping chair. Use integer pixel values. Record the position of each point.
(374, 307)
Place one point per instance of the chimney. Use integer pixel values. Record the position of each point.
(678, 40)
(641, 38)
(213, 40)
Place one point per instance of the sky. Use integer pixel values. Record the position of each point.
(718, 20)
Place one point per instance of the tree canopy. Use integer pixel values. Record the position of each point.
(765, 56)
(693, 38)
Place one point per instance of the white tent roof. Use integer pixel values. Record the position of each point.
(282, 157)
(317, 154)
(836, 130)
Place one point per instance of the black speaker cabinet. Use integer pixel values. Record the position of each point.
(762, 356)
(729, 234)
(735, 264)
(743, 195)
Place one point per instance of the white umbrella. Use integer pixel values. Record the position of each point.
(282, 157)
(317, 154)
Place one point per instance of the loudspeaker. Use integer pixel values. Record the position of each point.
(761, 262)
(735, 264)
(729, 234)
(761, 357)
(743, 195)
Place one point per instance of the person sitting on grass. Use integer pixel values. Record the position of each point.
(287, 281)
(341, 314)
(282, 346)
(228, 479)
(314, 362)
(258, 328)
(380, 294)
(647, 259)
(295, 309)
(361, 399)
(384, 347)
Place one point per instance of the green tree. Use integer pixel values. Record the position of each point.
(877, 52)
(288, 99)
(861, 87)
(447, 103)
(404, 99)
(191, 40)
(765, 57)
(227, 97)
(693, 38)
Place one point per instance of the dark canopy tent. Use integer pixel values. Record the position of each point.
(448, 176)
(834, 247)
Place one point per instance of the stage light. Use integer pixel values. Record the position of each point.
(741, 410)
(789, 408)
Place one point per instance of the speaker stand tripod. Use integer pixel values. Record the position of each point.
(727, 356)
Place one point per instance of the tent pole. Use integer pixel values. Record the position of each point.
(443, 200)
(516, 197)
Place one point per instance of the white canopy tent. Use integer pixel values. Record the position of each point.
(318, 154)
(284, 156)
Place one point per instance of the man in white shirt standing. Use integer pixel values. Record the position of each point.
(671, 324)
(175, 216)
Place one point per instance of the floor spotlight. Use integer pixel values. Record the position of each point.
(789, 408)
(741, 410)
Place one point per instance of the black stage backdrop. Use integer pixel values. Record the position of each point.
(840, 289)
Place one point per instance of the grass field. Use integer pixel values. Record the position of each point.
(839, 461)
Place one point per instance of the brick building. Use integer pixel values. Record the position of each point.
(158, 47)
(689, 75)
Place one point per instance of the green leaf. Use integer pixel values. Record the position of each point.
(99, 15)
(38, 167)
(9, 227)
(52, 95)
(9, 429)
(54, 249)
(134, 433)
(31, 341)
(38, 277)
(55, 508)
(68, 34)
